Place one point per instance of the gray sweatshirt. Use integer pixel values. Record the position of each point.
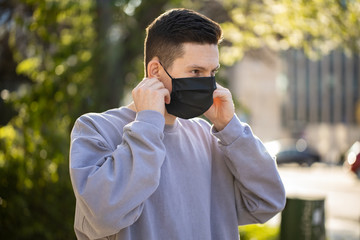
(136, 178)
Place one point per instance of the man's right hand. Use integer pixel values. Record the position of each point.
(150, 94)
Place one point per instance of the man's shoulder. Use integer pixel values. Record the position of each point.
(112, 115)
(111, 120)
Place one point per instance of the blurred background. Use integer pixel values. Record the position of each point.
(292, 66)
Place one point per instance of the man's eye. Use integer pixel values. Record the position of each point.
(213, 73)
(196, 72)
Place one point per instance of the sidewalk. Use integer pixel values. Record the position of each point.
(340, 189)
(342, 229)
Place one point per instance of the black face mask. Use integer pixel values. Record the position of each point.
(191, 97)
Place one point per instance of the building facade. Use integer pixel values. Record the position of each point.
(288, 95)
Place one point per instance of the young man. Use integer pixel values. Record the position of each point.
(151, 170)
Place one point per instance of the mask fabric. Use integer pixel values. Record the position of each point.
(191, 97)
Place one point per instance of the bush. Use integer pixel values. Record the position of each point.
(259, 232)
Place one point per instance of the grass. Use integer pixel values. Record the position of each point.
(259, 232)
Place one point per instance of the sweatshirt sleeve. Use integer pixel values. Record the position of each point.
(259, 191)
(111, 182)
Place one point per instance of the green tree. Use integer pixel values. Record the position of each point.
(317, 26)
(75, 57)
(52, 43)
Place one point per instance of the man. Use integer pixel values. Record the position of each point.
(151, 170)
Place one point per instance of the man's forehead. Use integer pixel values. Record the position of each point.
(199, 55)
(194, 48)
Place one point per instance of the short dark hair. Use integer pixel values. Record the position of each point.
(166, 34)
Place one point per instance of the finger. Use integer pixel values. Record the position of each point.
(220, 93)
(153, 83)
(166, 95)
(218, 86)
(142, 85)
(146, 82)
(157, 85)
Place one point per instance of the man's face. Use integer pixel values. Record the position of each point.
(198, 60)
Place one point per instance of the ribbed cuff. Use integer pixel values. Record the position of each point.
(231, 132)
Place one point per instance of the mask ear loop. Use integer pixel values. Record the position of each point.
(166, 71)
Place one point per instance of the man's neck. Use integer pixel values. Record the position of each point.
(169, 119)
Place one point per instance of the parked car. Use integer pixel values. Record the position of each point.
(352, 159)
(293, 151)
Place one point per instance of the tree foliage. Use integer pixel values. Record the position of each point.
(76, 57)
(52, 43)
(317, 26)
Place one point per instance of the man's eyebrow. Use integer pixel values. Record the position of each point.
(203, 68)
(217, 68)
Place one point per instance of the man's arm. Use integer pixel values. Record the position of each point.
(112, 182)
(259, 191)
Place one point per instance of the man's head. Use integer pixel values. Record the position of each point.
(166, 35)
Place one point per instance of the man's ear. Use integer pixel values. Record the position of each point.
(153, 68)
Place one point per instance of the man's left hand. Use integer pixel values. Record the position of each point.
(222, 110)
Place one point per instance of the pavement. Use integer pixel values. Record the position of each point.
(340, 189)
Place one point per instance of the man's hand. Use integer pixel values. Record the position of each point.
(150, 94)
(222, 110)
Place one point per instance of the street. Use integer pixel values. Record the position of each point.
(340, 189)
